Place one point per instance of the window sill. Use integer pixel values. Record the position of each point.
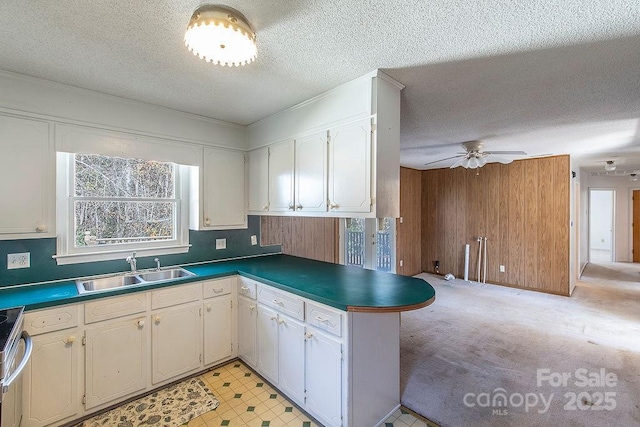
(108, 255)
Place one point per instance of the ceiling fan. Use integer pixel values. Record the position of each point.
(476, 157)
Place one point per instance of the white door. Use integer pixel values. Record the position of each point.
(369, 243)
(224, 188)
(27, 194)
(175, 341)
(267, 339)
(291, 358)
(117, 360)
(217, 329)
(350, 167)
(323, 366)
(281, 158)
(247, 331)
(311, 173)
(601, 225)
(259, 180)
(52, 394)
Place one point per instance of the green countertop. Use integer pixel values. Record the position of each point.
(339, 286)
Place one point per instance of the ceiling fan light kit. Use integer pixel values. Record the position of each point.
(222, 35)
(475, 157)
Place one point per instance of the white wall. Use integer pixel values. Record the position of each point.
(623, 187)
(600, 219)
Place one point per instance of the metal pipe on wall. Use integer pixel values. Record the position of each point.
(478, 278)
(484, 260)
(466, 262)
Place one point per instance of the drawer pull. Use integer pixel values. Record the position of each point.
(321, 319)
(276, 301)
(217, 291)
(70, 340)
(274, 317)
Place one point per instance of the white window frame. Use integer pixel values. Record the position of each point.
(68, 253)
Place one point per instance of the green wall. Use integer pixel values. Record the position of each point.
(44, 268)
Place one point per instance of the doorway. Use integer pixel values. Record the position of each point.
(369, 243)
(601, 225)
(635, 225)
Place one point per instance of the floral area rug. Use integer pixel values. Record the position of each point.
(169, 407)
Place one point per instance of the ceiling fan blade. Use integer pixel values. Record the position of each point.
(510, 153)
(458, 162)
(441, 160)
(493, 159)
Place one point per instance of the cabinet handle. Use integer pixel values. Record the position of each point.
(282, 322)
(308, 335)
(274, 318)
(41, 228)
(275, 301)
(291, 207)
(252, 307)
(245, 289)
(140, 324)
(333, 205)
(321, 319)
(217, 291)
(70, 340)
(207, 222)
(265, 207)
(208, 307)
(157, 319)
(298, 206)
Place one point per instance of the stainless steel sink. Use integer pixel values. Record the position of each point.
(115, 281)
(156, 276)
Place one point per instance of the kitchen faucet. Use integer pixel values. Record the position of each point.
(157, 261)
(132, 260)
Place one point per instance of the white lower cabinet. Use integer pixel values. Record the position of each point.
(52, 379)
(247, 314)
(323, 362)
(291, 364)
(218, 329)
(267, 343)
(117, 360)
(176, 341)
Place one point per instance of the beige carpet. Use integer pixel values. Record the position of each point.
(486, 342)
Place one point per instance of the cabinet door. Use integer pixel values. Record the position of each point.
(311, 173)
(217, 329)
(224, 189)
(259, 180)
(281, 177)
(27, 186)
(267, 343)
(247, 331)
(117, 360)
(176, 338)
(323, 367)
(350, 167)
(51, 379)
(291, 358)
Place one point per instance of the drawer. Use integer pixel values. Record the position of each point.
(324, 318)
(282, 301)
(216, 288)
(247, 287)
(175, 295)
(112, 308)
(51, 319)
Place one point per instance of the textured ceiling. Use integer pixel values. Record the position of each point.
(540, 76)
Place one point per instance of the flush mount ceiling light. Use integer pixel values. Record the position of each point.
(610, 166)
(221, 35)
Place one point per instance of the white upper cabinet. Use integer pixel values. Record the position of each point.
(281, 161)
(311, 173)
(259, 180)
(359, 173)
(219, 200)
(27, 187)
(350, 166)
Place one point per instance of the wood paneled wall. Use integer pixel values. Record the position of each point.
(523, 210)
(315, 238)
(409, 235)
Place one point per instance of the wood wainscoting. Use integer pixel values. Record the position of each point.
(408, 232)
(523, 210)
(315, 238)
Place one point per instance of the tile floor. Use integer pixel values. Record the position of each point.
(247, 400)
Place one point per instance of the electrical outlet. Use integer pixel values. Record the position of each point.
(401, 263)
(254, 240)
(22, 260)
(221, 243)
(502, 269)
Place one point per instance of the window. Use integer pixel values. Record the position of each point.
(369, 243)
(114, 205)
